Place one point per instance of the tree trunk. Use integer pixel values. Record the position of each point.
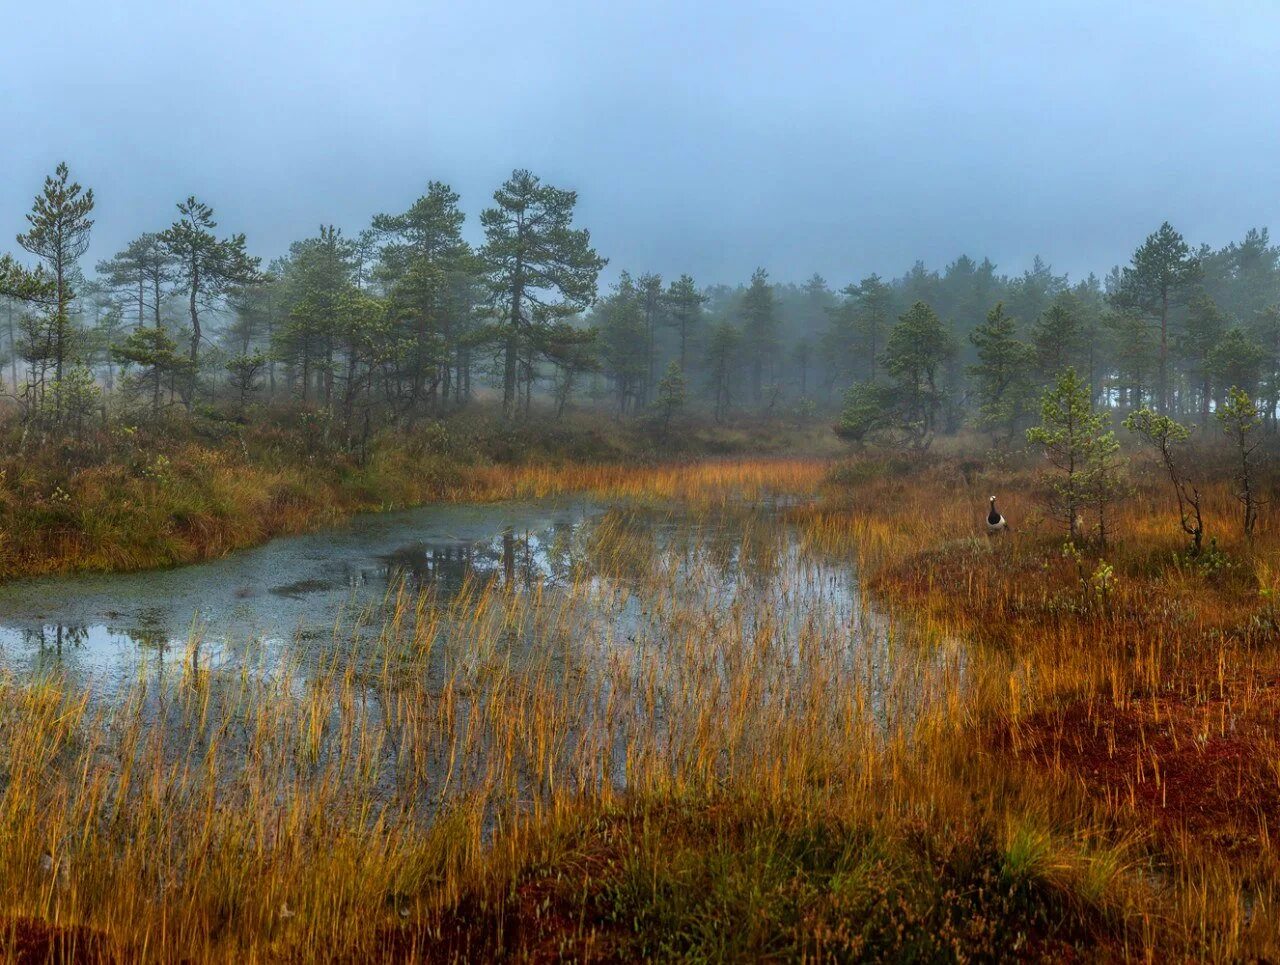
(193, 308)
(13, 348)
(1164, 351)
(60, 324)
(194, 311)
(510, 375)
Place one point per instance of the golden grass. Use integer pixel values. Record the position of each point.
(1002, 767)
(226, 814)
(1148, 696)
(199, 503)
(696, 484)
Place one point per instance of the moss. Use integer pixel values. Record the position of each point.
(670, 879)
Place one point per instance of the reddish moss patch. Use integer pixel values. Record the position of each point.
(1205, 767)
(545, 917)
(30, 941)
(714, 882)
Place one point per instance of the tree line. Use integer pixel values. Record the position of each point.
(392, 324)
(1174, 330)
(406, 320)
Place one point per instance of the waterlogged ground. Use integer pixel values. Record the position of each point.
(485, 652)
(305, 596)
(293, 592)
(341, 728)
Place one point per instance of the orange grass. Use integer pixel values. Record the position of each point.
(1148, 694)
(995, 757)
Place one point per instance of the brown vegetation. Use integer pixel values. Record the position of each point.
(139, 498)
(1039, 752)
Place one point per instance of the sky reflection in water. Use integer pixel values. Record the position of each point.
(106, 629)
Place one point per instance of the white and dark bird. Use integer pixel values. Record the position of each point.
(995, 522)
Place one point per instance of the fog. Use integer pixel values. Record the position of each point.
(710, 138)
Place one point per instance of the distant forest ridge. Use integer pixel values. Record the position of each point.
(406, 319)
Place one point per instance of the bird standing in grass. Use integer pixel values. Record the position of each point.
(995, 522)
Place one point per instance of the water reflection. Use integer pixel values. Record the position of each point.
(522, 558)
(288, 594)
(301, 597)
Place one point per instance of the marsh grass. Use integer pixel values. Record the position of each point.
(135, 500)
(708, 748)
(1132, 684)
(344, 806)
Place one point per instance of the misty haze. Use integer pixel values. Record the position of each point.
(639, 482)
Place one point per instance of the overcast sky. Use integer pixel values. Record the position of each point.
(709, 137)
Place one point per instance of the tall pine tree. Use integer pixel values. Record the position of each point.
(540, 268)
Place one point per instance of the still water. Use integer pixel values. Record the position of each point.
(583, 638)
(305, 595)
(291, 592)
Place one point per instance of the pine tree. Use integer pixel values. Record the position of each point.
(429, 273)
(1088, 302)
(1077, 442)
(1169, 440)
(574, 352)
(1204, 330)
(1057, 338)
(623, 342)
(804, 324)
(1032, 293)
(158, 362)
(10, 305)
(1265, 330)
(652, 307)
(684, 305)
(139, 273)
(319, 278)
(1161, 276)
(243, 372)
(917, 349)
(867, 413)
(1239, 418)
(671, 394)
(363, 338)
(1253, 274)
(257, 315)
(1003, 373)
(873, 316)
(58, 234)
(206, 269)
(856, 332)
(724, 344)
(802, 356)
(1134, 355)
(1236, 360)
(540, 268)
(106, 331)
(21, 284)
(759, 329)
